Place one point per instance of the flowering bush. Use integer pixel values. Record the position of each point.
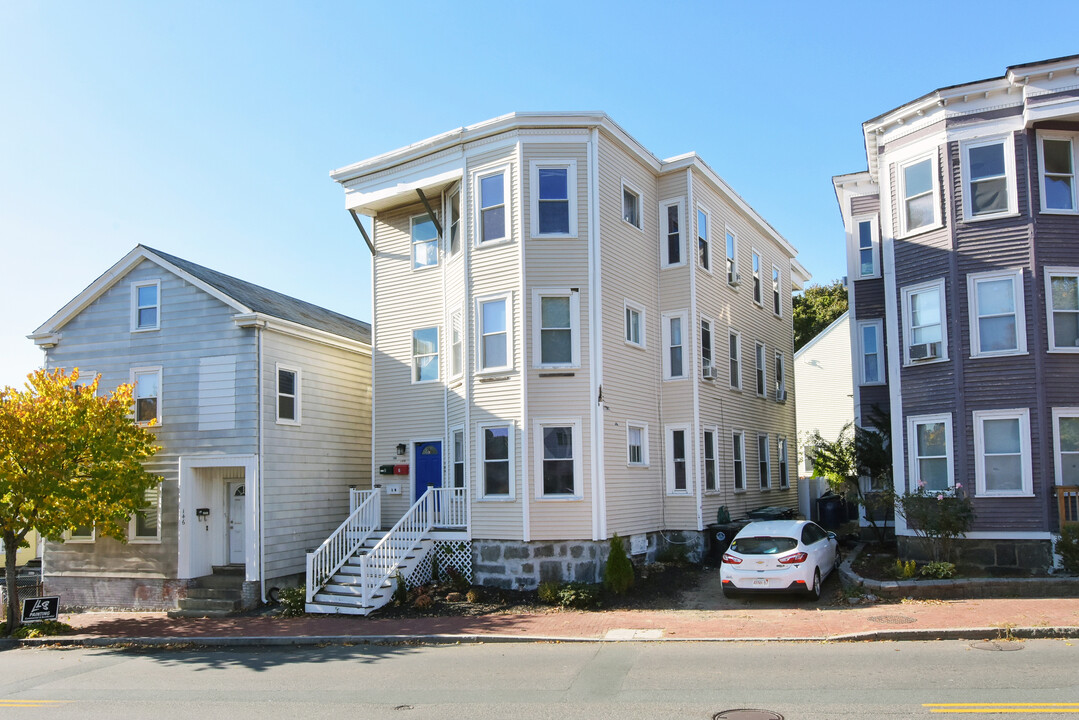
(939, 517)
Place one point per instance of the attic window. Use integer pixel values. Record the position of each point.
(145, 305)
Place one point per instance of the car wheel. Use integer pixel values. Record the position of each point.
(814, 591)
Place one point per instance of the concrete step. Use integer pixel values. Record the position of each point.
(350, 600)
(211, 604)
(229, 570)
(199, 613)
(213, 593)
(336, 609)
(220, 582)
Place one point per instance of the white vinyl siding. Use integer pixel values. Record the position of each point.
(1062, 307)
(997, 316)
(1002, 453)
(988, 171)
(929, 438)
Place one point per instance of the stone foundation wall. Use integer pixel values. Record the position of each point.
(119, 593)
(1001, 557)
(517, 565)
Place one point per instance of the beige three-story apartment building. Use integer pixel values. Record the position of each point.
(587, 338)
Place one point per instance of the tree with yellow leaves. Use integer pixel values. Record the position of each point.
(68, 458)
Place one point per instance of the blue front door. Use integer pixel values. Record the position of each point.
(428, 467)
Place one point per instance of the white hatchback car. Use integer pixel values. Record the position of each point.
(779, 556)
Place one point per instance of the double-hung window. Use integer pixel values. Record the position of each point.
(670, 240)
(457, 350)
(923, 322)
(558, 455)
(631, 205)
(777, 302)
(1056, 160)
(711, 468)
(674, 345)
(702, 240)
(738, 461)
(145, 524)
(732, 258)
(997, 319)
(760, 369)
(145, 306)
(492, 207)
(929, 438)
(1066, 445)
(764, 462)
(288, 395)
(458, 458)
(1002, 452)
(677, 459)
(781, 378)
(784, 472)
(758, 290)
(554, 198)
(707, 350)
(455, 222)
(424, 242)
(147, 392)
(1062, 306)
(636, 444)
(634, 324)
(988, 170)
(425, 355)
(870, 335)
(555, 322)
(494, 336)
(918, 193)
(496, 461)
(735, 354)
(865, 234)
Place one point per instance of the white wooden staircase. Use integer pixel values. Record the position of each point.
(356, 569)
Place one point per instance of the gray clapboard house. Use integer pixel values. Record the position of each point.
(964, 296)
(262, 409)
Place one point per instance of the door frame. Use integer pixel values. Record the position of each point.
(252, 531)
(230, 486)
(413, 468)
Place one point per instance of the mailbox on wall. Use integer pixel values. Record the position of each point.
(400, 469)
(385, 469)
(202, 514)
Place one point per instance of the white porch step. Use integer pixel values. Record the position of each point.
(337, 609)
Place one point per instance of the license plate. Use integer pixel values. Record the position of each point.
(760, 581)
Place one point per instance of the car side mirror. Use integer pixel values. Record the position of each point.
(831, 536)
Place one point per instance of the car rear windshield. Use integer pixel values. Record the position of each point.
(763, 545)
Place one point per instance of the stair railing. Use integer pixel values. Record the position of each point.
(383, 560)
(451, 507)
(335, 550)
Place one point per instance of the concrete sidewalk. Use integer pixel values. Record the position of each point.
(746, 620)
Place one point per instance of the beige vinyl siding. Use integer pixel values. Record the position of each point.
(734, 308)
(308, 468)
(405, 300)
(552, 263)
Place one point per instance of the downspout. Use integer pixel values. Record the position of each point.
(526, 500)
(595, 374)
(258, 472)
(694, 334)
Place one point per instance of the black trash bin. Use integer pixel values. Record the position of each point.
(720, 536)
(830, 511)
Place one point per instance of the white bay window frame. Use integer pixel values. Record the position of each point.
(866, 241)
(976, 314)
(913, 422)
(1063, 314)
(1073, 143)
(570, 166)
(670, 238)
(577, 457)
(482, 332)
(1065, 456)
(933, 193)
(908, 329)
(574, 329)
(478, 200)
(642, 431)
(683, 346)
(634, 333)
(1007, 144)
(672, 462)
(481, 455)
(877, 327)
(983, 454)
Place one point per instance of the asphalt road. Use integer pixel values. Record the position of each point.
(559, 681)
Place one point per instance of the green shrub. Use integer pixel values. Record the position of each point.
(293, 601)
(939, 517)
(44, 628)
(1068, 547)
(904, 570)
(939, 570)
(580, 596)
(473, 595)
(548, 593)
(618, 574)
(400, 591)
(457, 581)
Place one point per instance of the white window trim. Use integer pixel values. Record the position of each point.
(760, 369)
(856, 245)
(707, 238)
(477, 205)
(538, 424)
(481, 449)
(506, 297)
(764, 480)
(737, 335)
(627, 185)
(1023, 416)
(457, 317)
(900, 193)
(297, 397)
(642, 312)
(740, 437)
(1058, 458)
(666, 332)
(777, 290)
(912, 445)
(412, 355)
(453, 456)
(1073, 138)
(132, 539)
(711, 342)
(448, 228)
(1049, 273)
(715, 460)
(668, 433)
(643, 427)
(1019, 300)
(783, 460)
(879, 326)
(734, 278)
(755, 275)
(1009, 174)
(81, 539)
(780, 361)
(571, 190)
(664, 231)
(135, 305)
(146, 369)
(412, 244)
(574, 326)
(909, 290)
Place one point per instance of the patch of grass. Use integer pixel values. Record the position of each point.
(45, 628)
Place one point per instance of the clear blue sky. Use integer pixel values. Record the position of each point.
(208, 129)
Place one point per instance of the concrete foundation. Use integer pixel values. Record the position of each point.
(995, 557)
(116, 593)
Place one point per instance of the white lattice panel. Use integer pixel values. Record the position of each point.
(446, 553)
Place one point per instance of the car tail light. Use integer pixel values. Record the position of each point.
(793, 559)
(731, 559)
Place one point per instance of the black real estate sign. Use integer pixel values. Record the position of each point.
(38, 609)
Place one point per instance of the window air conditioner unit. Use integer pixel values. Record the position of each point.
(735, 279)
(781, 395)
(925, 351)
(709, 372)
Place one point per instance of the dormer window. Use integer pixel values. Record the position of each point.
(146, 305)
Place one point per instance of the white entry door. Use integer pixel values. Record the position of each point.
(237, 502)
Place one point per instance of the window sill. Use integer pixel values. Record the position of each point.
(1003, 495)
(145, 330)
(494, 243)
(670, 266)
(559, 498)
(872, 384)
(1009, 353)
(497, 499)
(637, 465)
(496, 376)
(736, 491)
(675, 379)
(1063, 350)
(635, 346)
(702, 268)
(554, 236)
(908, 234)
(920, 363)
(635, 227)
(679, 493)
(713, 493)
(994, 216)
(292, 423)
(1047, 211)
(436, 381)
(874, 276)
(142, 541)
(736, 389)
